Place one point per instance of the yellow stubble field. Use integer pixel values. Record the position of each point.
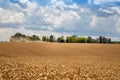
(59, 61)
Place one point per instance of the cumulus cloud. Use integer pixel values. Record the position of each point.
(105, 11)
(118, 25)
(88, 17)
(99, 2)
(64, 16)
(50, 17)
(93, 21)
(7, 16)
(110, 11)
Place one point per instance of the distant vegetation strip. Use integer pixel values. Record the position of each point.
(69, 39)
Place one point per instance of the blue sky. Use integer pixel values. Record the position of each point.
(60, 17)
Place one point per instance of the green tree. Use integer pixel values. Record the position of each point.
(97, 40)
(68, 39)
(109, 40)
(44, 38)
(51, 39)
(35, 37)
(105, 40)
(18, 35)
(71, 39)
(78, 40)
(60, 39)
(74, 36)
(83, 39)
(100, 39)
(89, 40)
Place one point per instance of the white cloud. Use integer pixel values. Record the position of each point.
(53, 1)
(97, 1)
(7, 16)
(118, 25)
(24, 1)
(60, 4)
(74, 6)
(61, 17)
(49, 14)
(116, 9)
(111, 10)
(89, 1)
(5, 33)
(106, 11)
(31, 7)
(93, 21)
(103, 1)
(54, 20)
(57, 17)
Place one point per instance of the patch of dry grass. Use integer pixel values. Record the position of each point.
(55, 61)
(60, 68)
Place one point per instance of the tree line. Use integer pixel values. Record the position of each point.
(68, 39)
(20, 35)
